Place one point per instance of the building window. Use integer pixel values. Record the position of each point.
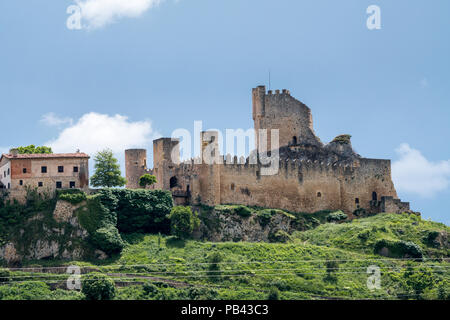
(294, 140)
(8, 172)
(232, 187)
(72, 184)
(24, 170)
(319, 194)
(40, 184)
(75, 169)
(9, 185)
(58, 184)
(43, 169)
(60, 169)
(173, 182)
(21, 182)
(357, 200)
(374, 196)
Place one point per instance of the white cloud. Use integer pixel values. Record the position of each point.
(413, 173)
(98, 13)
(51, 119)
(94, 132)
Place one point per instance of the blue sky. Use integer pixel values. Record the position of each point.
(149, 69)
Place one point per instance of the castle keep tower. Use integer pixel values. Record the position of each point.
(281, 111)
(135, 166)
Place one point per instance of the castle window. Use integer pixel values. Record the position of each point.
(75, 169)
(374, 196)
(232, 186)
(72, 184)
(58, 184)
(173, 182)
(43, 169)
(24, 170)
(357, 200)
(21, 182)
(294, 140)
(60, 169)
(319, 194)
(40, 184)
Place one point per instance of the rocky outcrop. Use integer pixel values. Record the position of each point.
(59, 236)
(221, 226)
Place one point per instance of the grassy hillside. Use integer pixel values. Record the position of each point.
(329, 262)
(362, 235)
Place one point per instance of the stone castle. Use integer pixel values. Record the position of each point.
(312, 176)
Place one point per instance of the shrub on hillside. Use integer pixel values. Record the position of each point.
(100, 224)
(279, 236)
(142, 211)
(74, 196)
(97, 286)
(398, 249)
(274, 294)
(361, 212)
(430, 239)
(183, 222)
(264, 216)
(336, 216)
(243, 211)
(29, 290)
(332, 268)
(5, 275)
(194, 293)
(108, 239)
(418, 279)
(214, 271)
(343, 139)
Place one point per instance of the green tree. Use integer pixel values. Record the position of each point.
(98, 286)
(107, 171)
(183, 221)
(332, 268)
(32, 149)
(147, 180)
(214, 272)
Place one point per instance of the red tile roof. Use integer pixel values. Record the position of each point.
(46, 156)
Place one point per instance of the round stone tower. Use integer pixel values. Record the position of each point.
(135, 166)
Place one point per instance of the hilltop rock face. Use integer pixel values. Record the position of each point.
(221, 227)
(41, 237)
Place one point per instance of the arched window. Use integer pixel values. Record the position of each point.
(374, 196)
(319, 194)
(173, 182)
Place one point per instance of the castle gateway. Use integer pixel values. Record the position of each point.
(311, 176)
